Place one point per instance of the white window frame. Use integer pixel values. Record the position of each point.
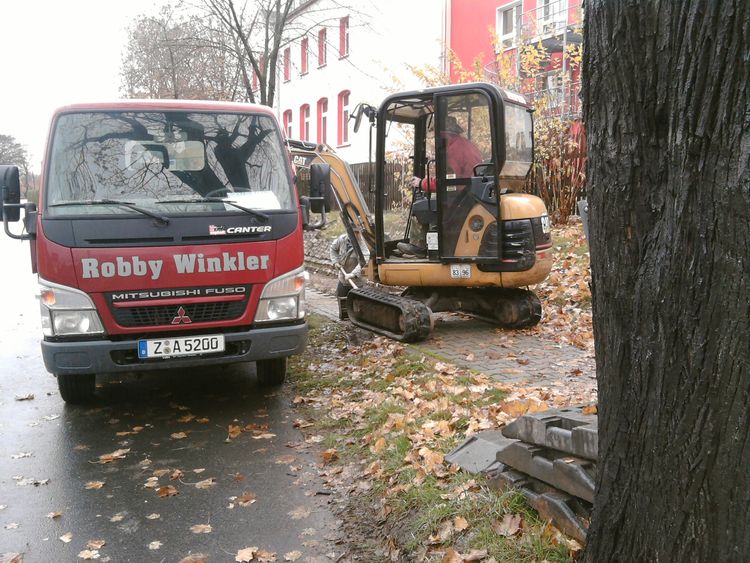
(509, 40)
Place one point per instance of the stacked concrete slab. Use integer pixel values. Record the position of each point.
(550, 457)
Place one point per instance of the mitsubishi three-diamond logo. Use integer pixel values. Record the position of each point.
(181, 317)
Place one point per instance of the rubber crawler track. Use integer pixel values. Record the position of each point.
(393, 316)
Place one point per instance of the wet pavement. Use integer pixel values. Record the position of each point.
(257, 486)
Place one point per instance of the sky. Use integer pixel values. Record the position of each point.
(55, 52)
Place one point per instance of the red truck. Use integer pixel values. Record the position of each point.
(168, 234)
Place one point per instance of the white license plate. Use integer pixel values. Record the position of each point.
(181, 346)
(461, 271)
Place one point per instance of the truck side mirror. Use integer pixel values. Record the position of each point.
(10, 187)
(304, 203)
(320, 188)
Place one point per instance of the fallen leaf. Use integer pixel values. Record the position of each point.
(154, 545)
(206, 483)
(11, 526)
(54, 515)
(199, 470)
(201, 529)
(151, 483)
(95, 544)
(11, 557)
(292, 555)
(510, 525)
(176, 474)
(28, 397)
(238, 477)
(265, 556)
(591, 409)
(299, 513)
(160, 472)
(66, 537)
(119, 517)
(202, 420)
(246, 554)
(246, 498)
(195, 558)
(186, 418)
(21, 455)
(330, 455)
(233, 431)
(88, 554)
(264, 436)
(475, 555)
(167, 491)
(452, 556)
(153, 516)
(460, 523)
(178, 435)
(109, 458)
(379, 445)
(94, 485)
(285, 460)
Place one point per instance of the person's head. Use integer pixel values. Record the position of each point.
(452, 125)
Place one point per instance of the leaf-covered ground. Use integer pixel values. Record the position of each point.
(387, 416)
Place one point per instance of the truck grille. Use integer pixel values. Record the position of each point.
(165, 314)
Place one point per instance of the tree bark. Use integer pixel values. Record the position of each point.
(667, 113)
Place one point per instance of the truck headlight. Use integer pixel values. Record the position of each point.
(67, 311)
(283, 298)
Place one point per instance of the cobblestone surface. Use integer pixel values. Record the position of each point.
(509, 356)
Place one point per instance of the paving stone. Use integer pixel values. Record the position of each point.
(505, 355)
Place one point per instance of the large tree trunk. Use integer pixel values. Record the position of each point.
(667, 113)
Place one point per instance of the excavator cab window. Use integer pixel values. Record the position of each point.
(466, 178)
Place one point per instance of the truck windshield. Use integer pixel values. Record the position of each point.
(167, 162)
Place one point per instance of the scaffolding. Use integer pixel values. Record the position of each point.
(555, 26)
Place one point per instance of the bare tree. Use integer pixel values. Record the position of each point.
(667, 111)
(258, 30)
(176, 55)
(13, 152)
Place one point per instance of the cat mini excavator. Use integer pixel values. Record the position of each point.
(483, 241)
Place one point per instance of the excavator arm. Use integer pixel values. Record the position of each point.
(355, 214)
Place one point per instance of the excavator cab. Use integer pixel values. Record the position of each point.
(471, 145)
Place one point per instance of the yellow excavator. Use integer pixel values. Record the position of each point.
(471, 241)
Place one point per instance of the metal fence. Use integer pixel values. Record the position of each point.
(397, 176)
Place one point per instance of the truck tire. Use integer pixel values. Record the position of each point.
(271, 372)
(76, 388)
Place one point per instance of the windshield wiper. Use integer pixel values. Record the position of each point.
(247, 210)
(161, 218)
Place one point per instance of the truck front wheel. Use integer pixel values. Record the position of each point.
(76, 388)
(271, 372)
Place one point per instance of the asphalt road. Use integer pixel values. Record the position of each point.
(171, 430)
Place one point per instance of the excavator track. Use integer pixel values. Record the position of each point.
(393, 316)
(509, 308)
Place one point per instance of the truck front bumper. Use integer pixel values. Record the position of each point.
(111, 356)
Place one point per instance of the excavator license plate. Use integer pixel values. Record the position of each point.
(461, 271)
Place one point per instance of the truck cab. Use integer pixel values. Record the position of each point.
(167, 234)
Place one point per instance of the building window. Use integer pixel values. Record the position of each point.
(343, 132)
(303, 56)
(508, 25)
(288, 123)
(344, 37)
(304, 122)
(322, 47)
(322, 120)
(287, 64)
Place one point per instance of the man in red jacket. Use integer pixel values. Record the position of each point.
(461, 157)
